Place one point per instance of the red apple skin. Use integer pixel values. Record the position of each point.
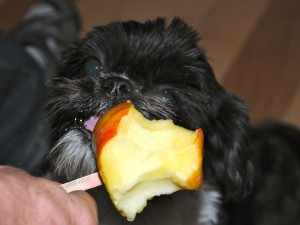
(107, 127)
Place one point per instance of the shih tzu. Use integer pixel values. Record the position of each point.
(160, 68)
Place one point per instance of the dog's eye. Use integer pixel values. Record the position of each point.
(92, 67)
(167, 96)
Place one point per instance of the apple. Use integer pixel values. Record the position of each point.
(140, 158)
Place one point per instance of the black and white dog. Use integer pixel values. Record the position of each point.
(162, 70)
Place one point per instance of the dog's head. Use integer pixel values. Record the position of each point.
(163, 71)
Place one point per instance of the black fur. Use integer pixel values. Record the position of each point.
(275, 198)
(163, 71)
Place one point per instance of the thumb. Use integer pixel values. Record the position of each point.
(88, 213)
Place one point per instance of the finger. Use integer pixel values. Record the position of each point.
(12, 170)
(87, 201)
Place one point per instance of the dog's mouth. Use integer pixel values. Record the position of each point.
(90, 123)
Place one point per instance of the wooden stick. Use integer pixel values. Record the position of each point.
(83, 183)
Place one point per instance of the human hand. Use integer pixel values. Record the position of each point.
(32, 200)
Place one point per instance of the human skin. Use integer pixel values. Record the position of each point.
(25, 199)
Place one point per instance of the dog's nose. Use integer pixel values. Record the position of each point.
(116, 86)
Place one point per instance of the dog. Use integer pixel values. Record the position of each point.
(161, 69)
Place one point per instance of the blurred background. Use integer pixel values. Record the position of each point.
(253, 46)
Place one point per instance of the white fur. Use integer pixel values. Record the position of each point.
(210, 206)
(76, 157)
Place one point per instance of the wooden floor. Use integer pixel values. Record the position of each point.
(253, 46)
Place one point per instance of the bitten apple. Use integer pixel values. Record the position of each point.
(140, 158)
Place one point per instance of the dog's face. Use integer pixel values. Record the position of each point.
(166, 75)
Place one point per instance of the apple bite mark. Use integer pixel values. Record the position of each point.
(140, 158)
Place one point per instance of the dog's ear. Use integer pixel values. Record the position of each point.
(226, 158)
